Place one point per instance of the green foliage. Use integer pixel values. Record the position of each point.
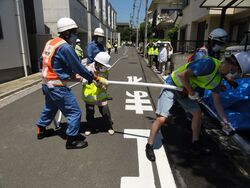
(172, 33)
(142, 31)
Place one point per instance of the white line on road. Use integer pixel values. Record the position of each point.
(124, 56)
(146, 176)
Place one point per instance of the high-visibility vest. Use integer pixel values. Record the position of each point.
(48, 52)
(115, 45)
(151, 51)
(109, 45)
(79, 51)
(156, 51)
(207, 81)
(92, 93)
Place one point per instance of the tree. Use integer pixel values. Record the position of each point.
(127, 34)
(172, 33)
(142, 31)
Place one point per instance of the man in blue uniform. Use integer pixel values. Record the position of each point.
(203, 73)
(96, 46)
(60, 63)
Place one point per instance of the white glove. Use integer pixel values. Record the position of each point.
(83, 81)
(194, 97)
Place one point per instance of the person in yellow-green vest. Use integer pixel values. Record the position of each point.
(109, 46)
(151, 53)
(94, 95)
(204, 73)
(156, 53)
(78, 49)
(116, 46)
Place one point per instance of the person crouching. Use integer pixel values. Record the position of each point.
(94, 94)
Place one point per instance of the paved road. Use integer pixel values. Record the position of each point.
(109, 161)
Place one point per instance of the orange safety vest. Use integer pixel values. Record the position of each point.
(49, 50)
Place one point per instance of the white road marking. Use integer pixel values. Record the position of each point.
(137, 103)
(134, 79)
(146, 176)
(124, 56)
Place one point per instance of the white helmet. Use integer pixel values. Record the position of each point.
(219, 35)
(103, 58)
(64, 24)
(243, 59)
(99, 32)
(78, 40)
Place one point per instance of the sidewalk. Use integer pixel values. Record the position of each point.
(14, 86)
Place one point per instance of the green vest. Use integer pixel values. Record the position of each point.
(79, 51)
(92, 93)
(156, 51)
(109, 45)
(151, 51)
(207, 82)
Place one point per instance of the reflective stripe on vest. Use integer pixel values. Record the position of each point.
(92, 93)
(207, 82)
(48, 53)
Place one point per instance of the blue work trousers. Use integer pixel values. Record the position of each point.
(63, 99)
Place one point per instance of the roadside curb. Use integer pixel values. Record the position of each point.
(14, 86)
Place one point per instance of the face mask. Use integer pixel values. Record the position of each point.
(99, 39)
(216, 48)
(72, 39)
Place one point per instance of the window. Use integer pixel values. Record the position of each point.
(1, 31)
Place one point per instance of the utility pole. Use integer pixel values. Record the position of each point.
(137, 29)
(146, 28)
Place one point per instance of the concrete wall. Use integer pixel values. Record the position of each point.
(53, 10)
(78, 12)
(10, 50)
(38, 6)
(94, 23)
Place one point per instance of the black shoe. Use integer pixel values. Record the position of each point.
(150, 152)
(42, 132)
(198, 148)
(74, 142)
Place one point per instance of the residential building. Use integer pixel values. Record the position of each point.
(22, 37)
(197, 22)
(26, 25)
(160, 12)
(197, 18)
(88, 14)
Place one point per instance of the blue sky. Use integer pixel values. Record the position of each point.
(125, 7)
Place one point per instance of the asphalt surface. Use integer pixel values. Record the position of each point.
(108, 161)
